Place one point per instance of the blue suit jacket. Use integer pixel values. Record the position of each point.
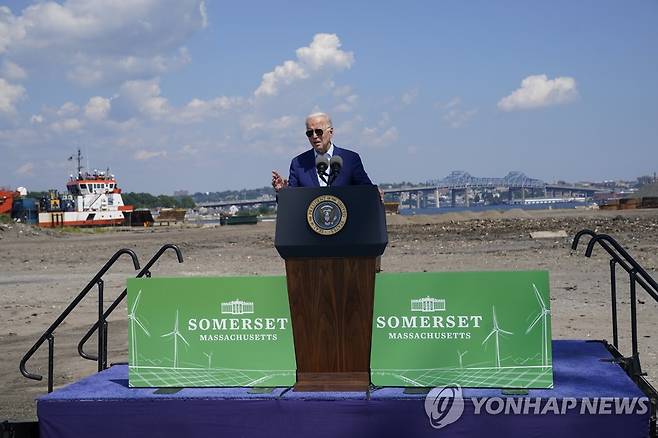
(304, 174)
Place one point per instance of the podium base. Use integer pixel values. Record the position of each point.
(346, 381)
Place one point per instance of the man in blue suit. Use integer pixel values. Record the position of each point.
(303, 173)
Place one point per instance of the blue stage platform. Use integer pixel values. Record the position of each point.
(103, 405)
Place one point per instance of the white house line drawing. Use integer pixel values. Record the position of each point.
(428, 304)
(237, 307)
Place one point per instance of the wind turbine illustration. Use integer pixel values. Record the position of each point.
(176, 334)
(209, 356)
(542, 317)
(495, 332)
(461, 365)
(132, 317)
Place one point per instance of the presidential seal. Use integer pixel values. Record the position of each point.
(326, 215)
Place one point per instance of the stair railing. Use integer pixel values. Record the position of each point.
(49, 334)
(102, 322)
(637, 275)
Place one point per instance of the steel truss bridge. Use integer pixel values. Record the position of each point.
(457, 183)
(460, 183)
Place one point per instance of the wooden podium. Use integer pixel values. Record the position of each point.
(330, 238)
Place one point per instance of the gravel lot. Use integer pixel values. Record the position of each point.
(42, 271)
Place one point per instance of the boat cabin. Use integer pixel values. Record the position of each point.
(92, 184)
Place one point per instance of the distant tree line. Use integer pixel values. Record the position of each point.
(147, 200)
(36, 195)
(232, 195)
(399, 185)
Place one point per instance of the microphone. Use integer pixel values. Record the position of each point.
(336, 164)
(322, 164)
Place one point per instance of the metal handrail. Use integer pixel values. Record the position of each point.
(144, 272)
(653, 291)
(623, 258)
(637, 275)
(48, 334)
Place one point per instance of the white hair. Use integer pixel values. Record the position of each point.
(314, 115)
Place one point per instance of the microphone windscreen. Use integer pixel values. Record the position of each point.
(336, 161)
(321, 161)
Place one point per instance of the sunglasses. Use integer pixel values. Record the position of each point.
(318, 132)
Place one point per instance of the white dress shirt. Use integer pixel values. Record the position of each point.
(328, 154)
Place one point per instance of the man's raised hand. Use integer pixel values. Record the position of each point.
(278, 182)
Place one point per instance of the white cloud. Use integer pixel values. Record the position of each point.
(20, 138)
(376, 137)
(285, 122)
(147, 155)
(102, 41)
(342, 90)
(455, 114)
(350, 127)
(188, 149)
(285, 74)
(10, 29)
(408, 97)
(457, 117)
(322, 54)
(97, 108)
(324, 51)
(66, 125)
(198, 110)
(26, 169)
(12, 71)
(138, 117)
(348, 104)
(257, 127)
(204, 13)
(538, 91)
(145, 97)
(9, 95)
(90, 71)
(68, 109)
(380, 135)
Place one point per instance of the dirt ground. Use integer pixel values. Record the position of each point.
(42, 271)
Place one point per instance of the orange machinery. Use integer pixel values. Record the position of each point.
(6, 200)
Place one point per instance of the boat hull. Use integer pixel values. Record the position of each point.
(80, 219)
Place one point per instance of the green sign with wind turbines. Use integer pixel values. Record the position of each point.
(473, 329)
(228, 331)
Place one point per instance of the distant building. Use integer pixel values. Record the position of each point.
(538, 201)
(646, 179)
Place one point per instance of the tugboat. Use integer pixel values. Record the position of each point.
(93, 199)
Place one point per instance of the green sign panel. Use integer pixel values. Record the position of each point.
(474, 329)
(230, 331)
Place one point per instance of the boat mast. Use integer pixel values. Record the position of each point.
(79, 162)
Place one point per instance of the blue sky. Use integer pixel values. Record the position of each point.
(207, 96)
